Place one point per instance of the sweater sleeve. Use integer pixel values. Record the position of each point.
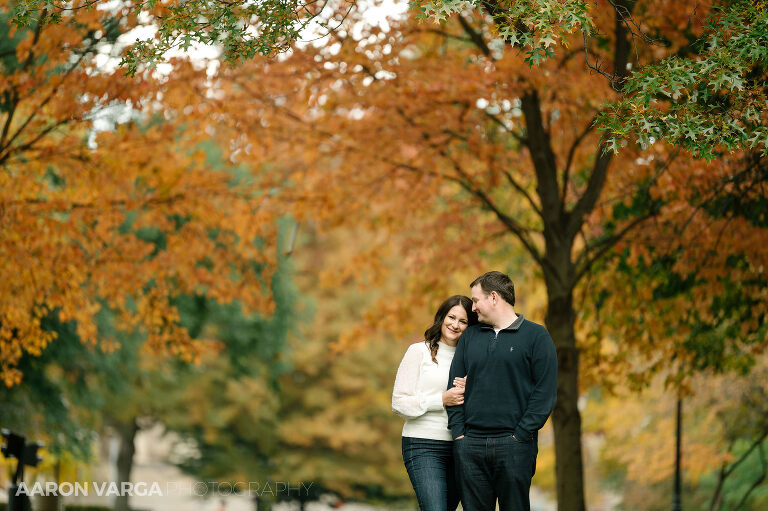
(542, 400)
(407, 401)
(458, 369)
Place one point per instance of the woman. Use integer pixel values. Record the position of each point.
(420, 398)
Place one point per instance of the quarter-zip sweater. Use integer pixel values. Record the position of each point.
(511, 380)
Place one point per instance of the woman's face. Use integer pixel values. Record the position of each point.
(454, 324)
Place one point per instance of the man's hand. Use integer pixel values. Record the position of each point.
(459, 437)
(453, 397)
(460, 382)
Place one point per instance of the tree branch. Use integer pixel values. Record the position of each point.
(518, 230)
(543, 158)
(6, 148)
(475, 36)
(27, 146)
(35, 39)
(569, 160)
(515, 134)
(12, 100)
(757, 482)
(522, 190)
(714, 504)
(623, 10)
(446, 34)
(588, 199)
(756, 444)
(464, 180)
(590, 255)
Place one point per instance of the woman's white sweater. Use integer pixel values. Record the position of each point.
(418, 392)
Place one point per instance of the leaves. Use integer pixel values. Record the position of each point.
(720, 422)
(709, 103)
(536, 25)
(126, 219)
(242, 29)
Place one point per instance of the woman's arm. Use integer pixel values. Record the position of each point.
(407, 401)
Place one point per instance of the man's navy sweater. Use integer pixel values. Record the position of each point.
(511, 381)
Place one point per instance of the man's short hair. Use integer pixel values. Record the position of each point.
(496, 281)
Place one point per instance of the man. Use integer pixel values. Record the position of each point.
(511, 368)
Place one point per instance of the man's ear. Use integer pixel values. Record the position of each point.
(495, 297)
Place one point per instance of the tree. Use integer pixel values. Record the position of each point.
(52, 405)
(695, 306)
(447, 141)
(336, 425)
(686, 293)
(473, 146)
(707, 97)
(312, 415)
(241, 29)
(228, 406)
(74, 202)
(72, 391)
(725, 434)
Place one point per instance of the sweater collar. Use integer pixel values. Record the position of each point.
(514, 327)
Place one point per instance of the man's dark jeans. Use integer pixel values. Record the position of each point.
(491, 468)
(430, 466)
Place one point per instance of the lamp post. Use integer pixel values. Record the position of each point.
(15, 446)
(677, 503)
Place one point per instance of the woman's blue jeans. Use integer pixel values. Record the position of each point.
(430, 466)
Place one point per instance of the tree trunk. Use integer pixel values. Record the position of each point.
(566, 419)
(50, 502)
(261, 504)
(127, 433)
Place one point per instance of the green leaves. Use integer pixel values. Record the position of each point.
(242, 29)
(708, 103)
(536, 25)
(438, 10)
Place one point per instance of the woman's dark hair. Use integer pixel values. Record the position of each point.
(433, 334)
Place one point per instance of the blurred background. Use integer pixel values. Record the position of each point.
(223, 223)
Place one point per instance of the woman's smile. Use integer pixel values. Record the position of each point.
(454, 324)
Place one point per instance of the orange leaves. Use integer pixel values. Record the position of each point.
(126, 219)
(637, 432)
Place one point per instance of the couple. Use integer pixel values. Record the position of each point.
(477, 440)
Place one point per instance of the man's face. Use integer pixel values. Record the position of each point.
(482, 303)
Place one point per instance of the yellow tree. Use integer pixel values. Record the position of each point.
(75, 205)
(336, 425)
(449, 142)
(444, 139)
(723, 448)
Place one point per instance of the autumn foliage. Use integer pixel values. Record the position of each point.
(437, 146)
(126, 218)
(445, 143)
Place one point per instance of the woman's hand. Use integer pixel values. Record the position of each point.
(460, 382)
(453, 397)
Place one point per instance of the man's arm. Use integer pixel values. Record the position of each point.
(542, 400)
(458, 369)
